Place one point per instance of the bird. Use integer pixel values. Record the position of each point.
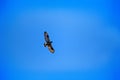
(48, 43)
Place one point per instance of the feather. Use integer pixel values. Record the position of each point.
(48, 42)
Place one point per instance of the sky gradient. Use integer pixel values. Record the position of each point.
(85, 35)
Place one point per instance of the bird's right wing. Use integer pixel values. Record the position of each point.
(51, 49)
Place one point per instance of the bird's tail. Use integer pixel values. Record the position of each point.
(45, 44)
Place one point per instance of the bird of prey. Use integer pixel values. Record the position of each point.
(48, 42)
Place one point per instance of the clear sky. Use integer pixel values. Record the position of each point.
(85, 35)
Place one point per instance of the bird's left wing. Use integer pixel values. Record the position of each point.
(46, 36)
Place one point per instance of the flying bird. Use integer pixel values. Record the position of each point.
(48, 43)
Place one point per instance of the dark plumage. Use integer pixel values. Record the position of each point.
(48, 42)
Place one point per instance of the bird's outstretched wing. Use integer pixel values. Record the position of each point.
(51, 49)
(46, 36)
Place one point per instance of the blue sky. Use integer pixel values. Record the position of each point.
(85, 35)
